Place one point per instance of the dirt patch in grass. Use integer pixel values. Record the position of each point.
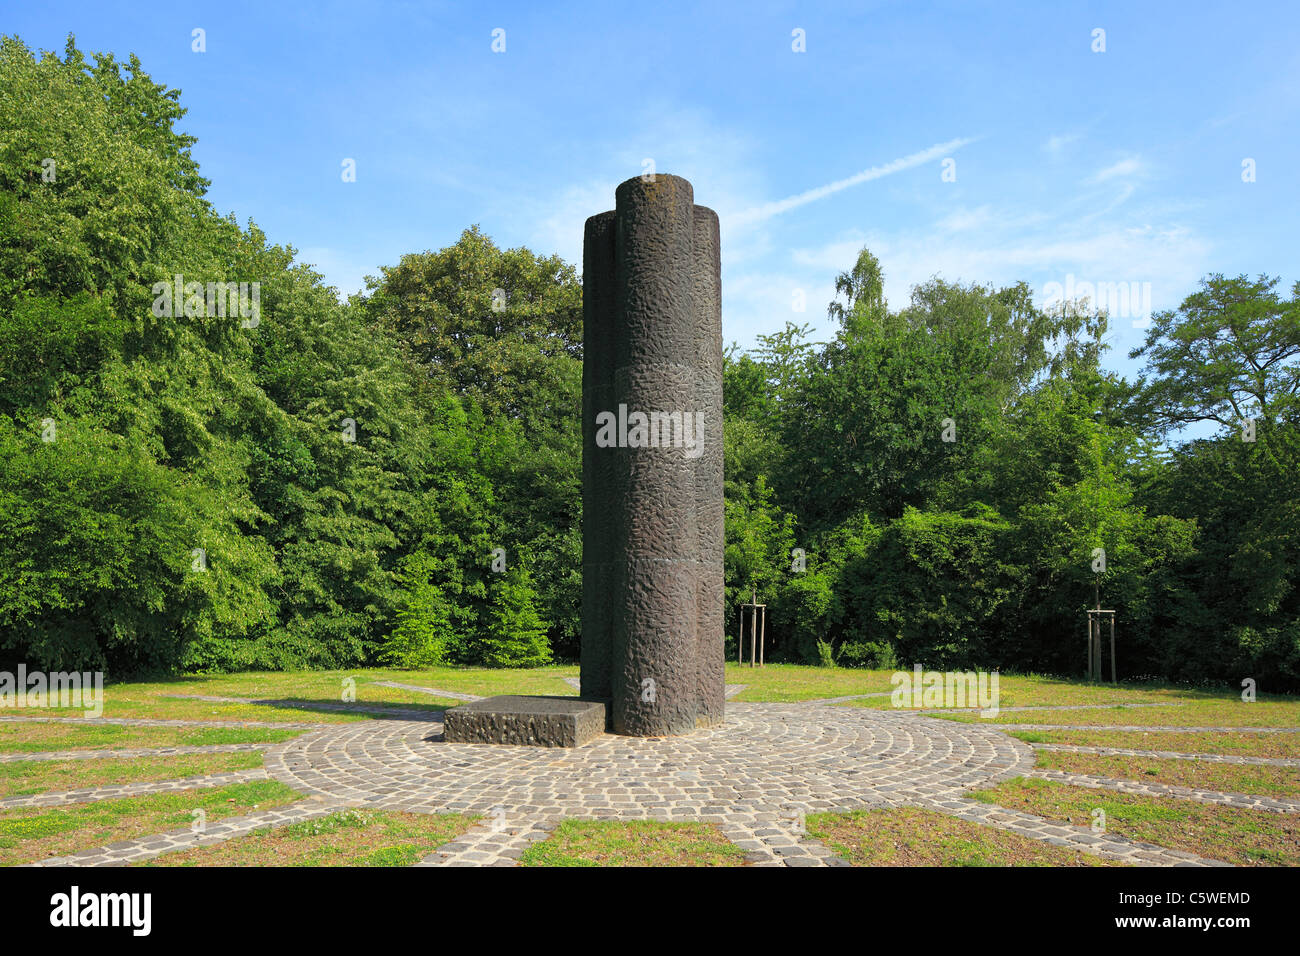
(1230, 834)
(34, 833)
(1264, 781)
(633, 843)
(25, 777)
(36, 737)
(347, 838)
(908, 836)
(1224, 742)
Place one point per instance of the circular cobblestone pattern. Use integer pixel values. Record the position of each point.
(766, 757)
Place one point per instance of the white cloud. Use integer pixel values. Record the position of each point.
(1129, 166)
(1055, 144)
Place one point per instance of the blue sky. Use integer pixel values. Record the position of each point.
(1115, 166)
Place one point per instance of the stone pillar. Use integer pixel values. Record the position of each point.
(598, 489)
(652, 461)
(711, 623)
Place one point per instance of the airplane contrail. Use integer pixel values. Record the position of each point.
(767, 210)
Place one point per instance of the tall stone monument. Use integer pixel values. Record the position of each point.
(652, 604)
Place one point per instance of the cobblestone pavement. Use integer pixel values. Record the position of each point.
(1173, 755)
(1243, 800)
(130, 752)
(766, 765)
(93, 794)
(754, 777)
(766, 757)
(490, 843)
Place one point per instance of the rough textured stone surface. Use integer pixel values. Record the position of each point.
(652, 514)
(598, 488)
(532, 721)
(706, 294)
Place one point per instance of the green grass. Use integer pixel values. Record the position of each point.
(37, 737)
(295, 692)
(773, 683)
(1280, 782)
(909, 836)
(1017, 690)
(633, 843)
(35, 833)
(1238, 744)
(1204, 709)
(782, 683)
(347, 838)
(25, 777)
(1233, 835)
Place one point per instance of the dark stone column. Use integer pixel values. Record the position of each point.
(598, 487)
(655, 688)
(707, 295)
(652, 507)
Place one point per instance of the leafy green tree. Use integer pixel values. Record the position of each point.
(514, 634)
(1230, 351)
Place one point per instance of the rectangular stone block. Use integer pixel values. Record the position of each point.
(525, 721)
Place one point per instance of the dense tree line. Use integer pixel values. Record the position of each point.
(395, 479)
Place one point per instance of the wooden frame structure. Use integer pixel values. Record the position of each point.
(757, 631)
(1095, 618)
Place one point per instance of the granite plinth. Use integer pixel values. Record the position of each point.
(525, 721)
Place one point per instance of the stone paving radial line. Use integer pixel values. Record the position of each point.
(119, 791)
(1161, 728)
(1173, 755)
(431, 691)
(131, 752)
(1226, 798)
(124, 852)
(163, 722)
(1109, 846)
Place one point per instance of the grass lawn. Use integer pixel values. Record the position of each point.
(633, 843)
(25, 777)
(34, 833)
(1035, 691)
(1230, 834)
(37, 737)
(1282, 782)
(780, 683)
(294, 693)
(1238, 744)
(1225, 711)
(909, 836)
(347, 838)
